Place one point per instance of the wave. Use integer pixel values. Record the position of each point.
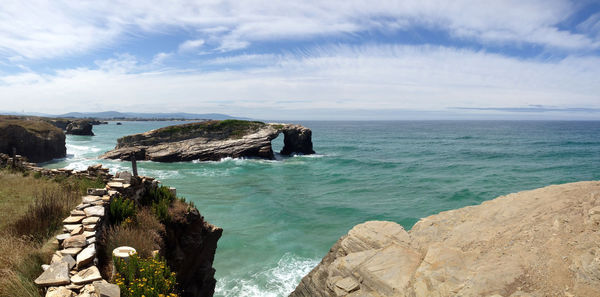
(276, 281)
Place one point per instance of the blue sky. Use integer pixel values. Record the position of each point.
(304, 59)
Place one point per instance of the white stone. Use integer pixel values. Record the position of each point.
(115, 185)
(86, 276)
(73, 219)
(90, 220)
(86, 256)
(57, 274)
(97, 211)
(62, 237)
(70, 251)
(71, 227)
(59, 292)
(89, 199)
(77, 230)
(77, 241)
(89, 227)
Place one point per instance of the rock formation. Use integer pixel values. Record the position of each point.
(190, 247)
(80, 127)
(36, 140)
(212, 140)
(544, 242)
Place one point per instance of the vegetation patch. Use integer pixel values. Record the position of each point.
(32, 211)
(144, 277)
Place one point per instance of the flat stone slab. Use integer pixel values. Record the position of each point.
(106, 198)
(86, 256)
(89, 234)
(94, 211)
(59, 292)
(96, 192)
(90, 220)
(71, 227)
(70, 251)
(104, 289)
(77, 241)
(348, 284)
(62, 237)
(77, 230)
(56, 275)
(115, 185)
(86, 276)
(82, 206)
(89, 199)
(89, 227)
(77, 212)
(73, 219)
(112, 193)
(91, 240)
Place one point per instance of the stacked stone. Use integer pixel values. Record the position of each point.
(73, 271)
(92, 172)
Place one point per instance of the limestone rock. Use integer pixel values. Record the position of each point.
(97, 211)
(212, 141)
(77, 241)
(71, 227)
(57, 274)
(86, 276)
(542, 242)
(86, 256)
(90, 220)
(104, 289)
(73, 219)
(70, 251)
(89, 199)
(77, 230)
(59, 292)
(62, 237)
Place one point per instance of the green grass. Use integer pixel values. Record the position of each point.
(32, 124)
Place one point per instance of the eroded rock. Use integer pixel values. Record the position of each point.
(542, 242)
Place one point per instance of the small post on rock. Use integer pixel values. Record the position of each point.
(134, 165)
(14, 157)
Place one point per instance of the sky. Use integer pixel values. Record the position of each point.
(349, 59)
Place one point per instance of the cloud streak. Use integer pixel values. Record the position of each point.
(43, 29)
(337, 77)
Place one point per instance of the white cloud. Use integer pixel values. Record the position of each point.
(44, 29)
(190, 45)
(334, 78)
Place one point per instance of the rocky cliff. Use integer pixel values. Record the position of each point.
(212, 140)
(34, 139)
(544, 242)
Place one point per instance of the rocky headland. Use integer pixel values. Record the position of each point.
(34, 139)
(544, 242)
(212, 141)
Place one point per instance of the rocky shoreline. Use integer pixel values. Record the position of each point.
(543, 242)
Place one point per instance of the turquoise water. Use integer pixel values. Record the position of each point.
(281, 217)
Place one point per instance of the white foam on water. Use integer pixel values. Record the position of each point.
(278, 281)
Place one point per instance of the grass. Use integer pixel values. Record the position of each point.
(33, 210)
(32, 124)
(145, 277)
(225, 129)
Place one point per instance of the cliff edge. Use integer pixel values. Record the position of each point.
(35, 139)
(544, 242)
(212, 141)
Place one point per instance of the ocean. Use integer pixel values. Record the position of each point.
(281, 217)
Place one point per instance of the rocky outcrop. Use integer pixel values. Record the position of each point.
(36, 140)
(80, 127)
(544, 242)
(190, 247)
(212, 141)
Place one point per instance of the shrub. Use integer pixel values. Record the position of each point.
(161, 210)
(121, 209)
(143, 234)
(37, 175)
(157, 195)
(51, 205)
(149, 277)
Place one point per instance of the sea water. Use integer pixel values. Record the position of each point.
(281, 217)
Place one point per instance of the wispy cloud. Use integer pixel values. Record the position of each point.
(44, 29)
(191, 45)
(361, 77)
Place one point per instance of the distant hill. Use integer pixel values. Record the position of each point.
(108, 115)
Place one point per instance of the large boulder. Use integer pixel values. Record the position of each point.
(212, 141)
(82, 127)
(37, 140)
(542, 242)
